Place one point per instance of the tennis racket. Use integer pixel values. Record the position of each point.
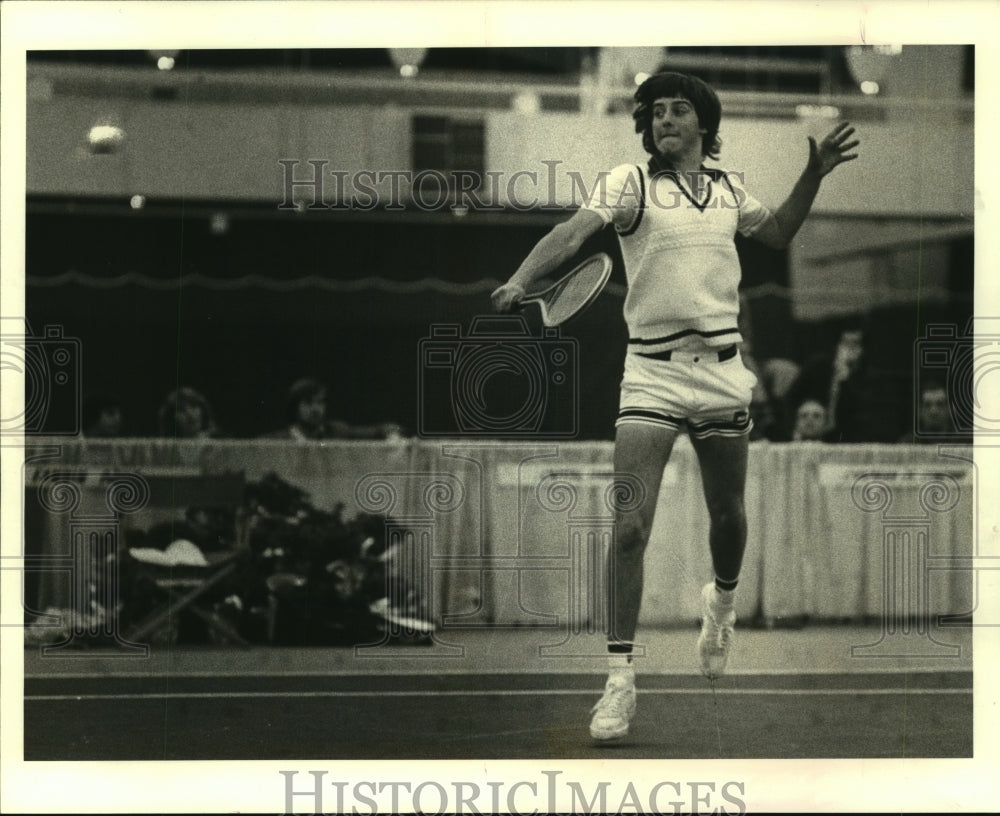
(573, 292)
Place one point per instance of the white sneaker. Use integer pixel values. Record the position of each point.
(614, 710)
(716, 633)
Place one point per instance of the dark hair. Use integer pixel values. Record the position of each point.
(821, 403)
(698, 93)
(181, 398)
(305, 389)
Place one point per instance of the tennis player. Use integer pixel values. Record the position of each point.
(676, 222)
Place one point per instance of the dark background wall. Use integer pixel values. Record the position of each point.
(155, 301)
(160, 299)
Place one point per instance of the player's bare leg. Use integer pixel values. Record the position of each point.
(641, 453)
(723, 462)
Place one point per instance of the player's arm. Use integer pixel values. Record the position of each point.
(560, 244)
(778, 230)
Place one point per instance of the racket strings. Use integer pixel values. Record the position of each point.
(574, 291)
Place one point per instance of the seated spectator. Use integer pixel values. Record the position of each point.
(810, 422)
(837, 381)
(934, 420)
(307, 417)
(186, 414)
(101, 416)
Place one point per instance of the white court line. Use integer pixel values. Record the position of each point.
(599, 668)
(212, 695)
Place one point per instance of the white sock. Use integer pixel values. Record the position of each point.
(724, 597)
(620, 666)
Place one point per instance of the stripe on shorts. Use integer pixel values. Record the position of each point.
(651, 417)
(720, 427)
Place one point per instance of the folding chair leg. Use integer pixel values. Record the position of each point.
(175, 603)
(219, 625)
(151, 625)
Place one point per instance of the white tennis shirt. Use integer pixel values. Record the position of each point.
(680, 255)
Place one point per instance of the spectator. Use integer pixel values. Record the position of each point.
(307, 418)
(934, 420)
(838, 382)
(186, 414)
(102, 416)
(810, 422)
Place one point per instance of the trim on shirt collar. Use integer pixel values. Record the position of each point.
(658, 168)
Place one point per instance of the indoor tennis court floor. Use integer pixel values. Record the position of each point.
(491, 695)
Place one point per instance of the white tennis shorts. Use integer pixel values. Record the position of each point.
(692, 389)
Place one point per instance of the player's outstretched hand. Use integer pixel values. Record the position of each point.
(833, 150)
(506, 297)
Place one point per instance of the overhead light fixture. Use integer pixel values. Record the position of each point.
(105, 137)
(870, 65)
(408, 60)
(164, 60)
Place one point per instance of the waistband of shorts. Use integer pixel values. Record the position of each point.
(721, 355)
